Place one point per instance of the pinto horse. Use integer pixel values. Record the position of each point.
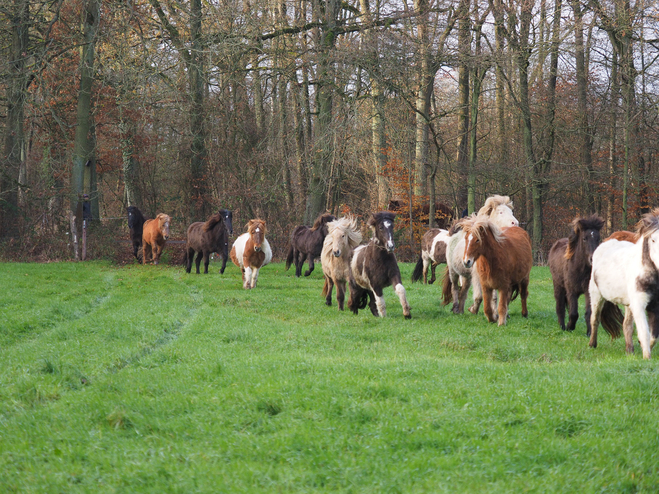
(251, 251)
(628, 273)
(135, 223)
(307, 243)
(570, 264)
(433, 252)
(458, 278)
(206, 238)
(503, 260)
(342, 238)
(374, 267)
(154, 234)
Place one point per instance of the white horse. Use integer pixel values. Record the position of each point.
(458, 278)
(627, 273)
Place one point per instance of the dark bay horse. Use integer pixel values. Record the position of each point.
(251, 251)
(503, 260)
(155, 233)
(570, 263)
(206, 238)
(307, 243)
(374, 267)
(135, 223)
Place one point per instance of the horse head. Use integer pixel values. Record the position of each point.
(322, 221)
(584, 239)
(228, 219)
(648, 230)
(478, 231)
(343, 235)
(500, 210)
(256, 229)
(382, 224)
(135, 217)
(163, 225)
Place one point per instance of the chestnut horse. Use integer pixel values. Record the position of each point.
(570, 263)
(206, 238)
(502, 258)
(251, 251)
(342, 238)
(135, 223)
(374, 267)
(307, 243)
(433, 252)
(154, 234)
(624, 236)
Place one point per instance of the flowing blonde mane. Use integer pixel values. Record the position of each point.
(494, 202)
(478, 224)
(347, 224)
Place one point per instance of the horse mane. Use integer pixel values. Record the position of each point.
(254, 224)
(212, 221)
(592, 222)
(649, 224)
(455, 227)
(323, 218)
(349, 225)
(162, 217)
(477, 224)
(492, 202)
(380, 217)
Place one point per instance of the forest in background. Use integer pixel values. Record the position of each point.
(284, 109)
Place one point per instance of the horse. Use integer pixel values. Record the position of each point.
(623, 235)
(206, 238)
(135, 223)
(342, 238)
(154, 234)
(433, 252)
(628, 273)
(374, 267)
(498, 209)
(503, 260)
(251, 251)
(570, 264)
(307, 242)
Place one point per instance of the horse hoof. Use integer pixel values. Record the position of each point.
(473, 311)
(408, 316)
(328, 303)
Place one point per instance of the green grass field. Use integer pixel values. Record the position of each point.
(146, 379)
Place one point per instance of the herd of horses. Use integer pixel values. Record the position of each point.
(487, 251)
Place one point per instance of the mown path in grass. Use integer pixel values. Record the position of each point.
(146, 379)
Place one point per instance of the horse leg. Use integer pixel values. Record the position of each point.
(156, 251)
(628, 330)
(311, 266)
(197, 261)
(188, 259)
(426, 265)
(487, 307)
(376, 303)
(146, 249)
(638, 307)
(355, 296)
(255, 276)
(329, 284)
(402, 296)
(300, 257)
(477, 291)
(247, 278)
(560, 296)
(433, 266)
(503, 307)
(340, 293)
(573, 308)
(524, 295)
(587, 313)
(462, 297)
(225, 256)
(455, 292)
(207, 260)
(596, 304)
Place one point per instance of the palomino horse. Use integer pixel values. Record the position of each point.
(342, 238)
(433, 252)
(499, 210)
(503, 261)
(374, 267)
(206, 238)
(154, 234)
(628, 273)
(307, 243)
(135, 223)
(251, 251)
(570, 263)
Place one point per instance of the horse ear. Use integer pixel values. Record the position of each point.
(371, 221)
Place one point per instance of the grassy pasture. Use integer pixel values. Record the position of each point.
(145, 379)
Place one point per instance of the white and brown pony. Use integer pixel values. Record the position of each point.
(433, 252)
(503, 259)
(251, 251)
(155, 233)
(458, 277)
(628, 273)
(342, 238)
(374, 267)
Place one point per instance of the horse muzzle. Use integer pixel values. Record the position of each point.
(337, 253)
(257, 248)
(468, 263)
(390, 246)
(165, 237)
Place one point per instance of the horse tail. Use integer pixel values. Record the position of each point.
(289, 257)
(418, 270)
(447, 288)
(514, 292)
(363, 300)
(325, 288)
(611, 318)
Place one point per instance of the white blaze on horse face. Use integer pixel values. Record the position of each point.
(390, 240)
(466, 259)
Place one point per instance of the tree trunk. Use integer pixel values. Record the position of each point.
(613, 129)
(464, 50)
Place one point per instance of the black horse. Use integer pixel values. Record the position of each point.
(206, 238)
(135, 223)
(570, 263)
(307, 243)
(374, 267)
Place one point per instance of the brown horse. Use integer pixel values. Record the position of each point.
(503, 260)
(623, 236)
(307, 243)
(342, 238)
(570, 263)
(154, 234)
(251, 251)
(206, 238)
